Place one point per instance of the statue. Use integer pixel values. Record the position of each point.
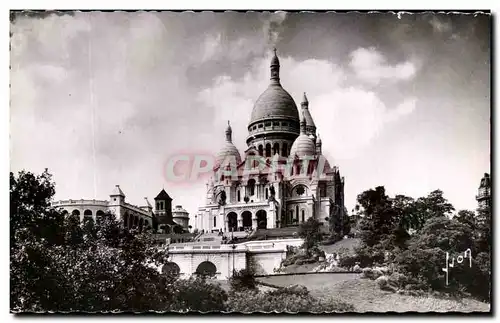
(272, 191)
(222, 199)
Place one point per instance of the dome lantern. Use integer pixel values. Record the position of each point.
(229, 132)
(275, 69)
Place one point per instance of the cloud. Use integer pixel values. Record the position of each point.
(273, 27)
(211, 47)
(370, 66)
(347, 117)
(439, 25)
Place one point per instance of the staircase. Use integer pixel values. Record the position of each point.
(209, 237)
(278, 233)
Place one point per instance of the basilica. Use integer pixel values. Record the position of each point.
(283, 178)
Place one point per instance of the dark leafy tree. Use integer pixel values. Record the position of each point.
(431, 206)
(483, 240)
(60, 264)
(426, 257)
(310, 232)
(379, 218)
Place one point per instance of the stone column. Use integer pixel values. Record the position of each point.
(254, 222)
(271, 216)
(240, 221)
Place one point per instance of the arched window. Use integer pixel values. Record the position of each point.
(276, 148)
(251, 187)
(261, 150)
(87, 214)
(303, 215)
(75, 212)
(297, 213)
(267, 193)
(171, 268)
(206, 269)
(284, 150)
(215, 221)
(239, 196)
(291, 217)
(268, 150)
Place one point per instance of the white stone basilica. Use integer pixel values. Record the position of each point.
(283, 179)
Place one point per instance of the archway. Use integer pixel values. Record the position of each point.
(232, 222)
(268, 150)
(99, 216)
(171, 269)
(206, 269)
(247, 219)
(251, 187)
(126, 221)
(284, 150)
(141, 222)
(75, 212)
(261, 150)
(261, 219)
(87, 213)
(177, 229)
(276, 148)
(130, 218)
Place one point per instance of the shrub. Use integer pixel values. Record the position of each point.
(384, 283)
(289, 300)
(243, 280)
(197, 294)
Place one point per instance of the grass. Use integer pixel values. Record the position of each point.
(365, 295)
(348, 243)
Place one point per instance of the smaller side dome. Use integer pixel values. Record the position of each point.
(229, 150)
(303, 145)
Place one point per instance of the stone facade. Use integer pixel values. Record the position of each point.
(283, 179)
(131, 215)
(263, 256)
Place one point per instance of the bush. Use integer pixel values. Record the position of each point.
(243, 280)
(196, 294)
(331, 239)
(364, 256)
(384, 283)
(288, 300)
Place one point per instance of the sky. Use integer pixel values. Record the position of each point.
(106, 98)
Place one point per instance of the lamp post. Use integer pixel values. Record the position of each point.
(234, 247)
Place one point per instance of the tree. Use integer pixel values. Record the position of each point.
(433, 205)
(310, 232)
(339, 222)
(378, 216)
(426, 257)
(466, 217)
(59, 264)
(483, 240)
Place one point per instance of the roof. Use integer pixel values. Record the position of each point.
(163, 196)
(117, 191)
(303, 146)
(275, 102)
(485, 181)
(227, 151)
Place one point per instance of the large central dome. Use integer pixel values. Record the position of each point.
(275, 102)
